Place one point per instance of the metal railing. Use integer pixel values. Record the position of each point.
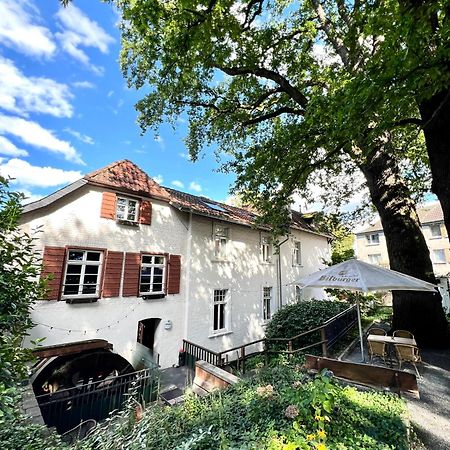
(328, 334)
(67, 408)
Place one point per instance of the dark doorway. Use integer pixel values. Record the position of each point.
(146, 332)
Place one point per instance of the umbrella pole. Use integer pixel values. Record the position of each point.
(360, 331)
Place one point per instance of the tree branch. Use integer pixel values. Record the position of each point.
(282, 82)
(273, 114)
(336, 42)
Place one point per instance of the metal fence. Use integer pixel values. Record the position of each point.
(324, 336)
(66, 408)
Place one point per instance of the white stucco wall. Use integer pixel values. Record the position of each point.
(244, 275)
(75, 221)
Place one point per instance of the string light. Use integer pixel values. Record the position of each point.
(85, 331)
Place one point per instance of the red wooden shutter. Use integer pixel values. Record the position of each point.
(113, 273)
(145, 213)
(108, 210)
(53, 265)
(173, 284)
(131, 274)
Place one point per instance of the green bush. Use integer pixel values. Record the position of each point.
(300, 317)
(282, 408)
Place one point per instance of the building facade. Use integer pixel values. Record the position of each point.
(370, 245)
(145, 267)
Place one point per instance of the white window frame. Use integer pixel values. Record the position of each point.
(83, 263)
(297, 253)
(267, 293)
(439, 260)
(221, 297)
(370, 239)
(298, 293)
(127, 209)
(221, 239)
(435, 226)
(371, 257)
(152, 266)
(266, 249)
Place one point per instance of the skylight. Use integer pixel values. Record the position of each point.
(214, 206)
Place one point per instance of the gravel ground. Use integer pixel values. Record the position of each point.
(430, 415)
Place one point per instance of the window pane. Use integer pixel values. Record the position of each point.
(71, 290)
(158, 271)
(146, 270)
(221, 316)
(147, 259)
(89, 288)
(93, 256)
(72, 279)
(157, 287)
(90, 279)
(216, 319)
(121, 203)
(91, 270)
(159, 259)
(72, 268)
(158, 279)
(75, 256)
(145, 288)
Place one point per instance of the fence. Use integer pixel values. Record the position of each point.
(66, 408)
(330, 333)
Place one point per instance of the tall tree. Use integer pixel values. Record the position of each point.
(256, 78)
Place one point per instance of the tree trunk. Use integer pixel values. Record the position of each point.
(435, 114)
(418, 312)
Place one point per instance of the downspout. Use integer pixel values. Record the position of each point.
(188, 276)
(280, 286)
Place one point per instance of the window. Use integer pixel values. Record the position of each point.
(266, 249)
(439, 256)
(220, 242)
(375, 259)
(127, 209)
(373, 239)
(153, 274)
(298, 293)
(220, 310)
(82, 275)
(297, 254)
(435, 230)
(267, 301)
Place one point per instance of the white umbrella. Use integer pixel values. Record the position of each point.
(357, 275)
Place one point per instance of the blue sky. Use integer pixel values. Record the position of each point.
(65, 109)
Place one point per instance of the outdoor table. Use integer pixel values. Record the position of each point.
(391, 340)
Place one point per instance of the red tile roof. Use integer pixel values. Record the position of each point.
(428, 213)
(126, 176)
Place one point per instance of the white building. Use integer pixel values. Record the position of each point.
(145, 267)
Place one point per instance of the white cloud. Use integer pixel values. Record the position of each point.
(158, 178)
(80, 31)
(22, 95)
(177, 183)
(19, 29)
(29, 196)
(81, 137)
(193, 186)
(27, 175)
(185, 156)
(33, 134)
(8, 148)
(110, 94)
(83, 84)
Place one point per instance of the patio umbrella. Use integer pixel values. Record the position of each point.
(355, 275)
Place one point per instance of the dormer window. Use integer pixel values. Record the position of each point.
(127, 209)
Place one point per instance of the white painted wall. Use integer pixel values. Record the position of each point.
(75, 220)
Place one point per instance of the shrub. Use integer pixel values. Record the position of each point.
(300, 317)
